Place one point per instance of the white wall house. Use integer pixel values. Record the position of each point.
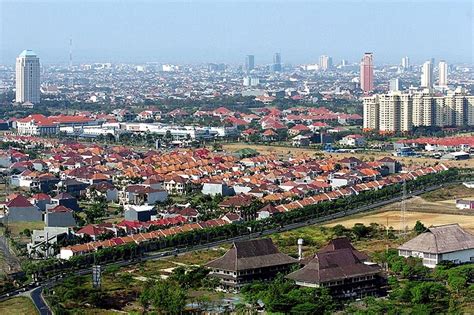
(440, 243)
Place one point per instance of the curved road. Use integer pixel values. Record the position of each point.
(43, 308)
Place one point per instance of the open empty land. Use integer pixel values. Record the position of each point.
(393, 219)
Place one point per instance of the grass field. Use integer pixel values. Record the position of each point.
(20, 226)
(447, 193)
(292, 151)
(18, 306)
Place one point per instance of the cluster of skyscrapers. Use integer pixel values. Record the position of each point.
(250, 63)
(402, 111)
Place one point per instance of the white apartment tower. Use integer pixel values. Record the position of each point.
(27, 77)
(371, 113)
(401, 111)
(405, 63)
(443, 73)
(427, 75)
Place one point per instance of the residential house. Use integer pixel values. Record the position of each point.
(142, 213)
(267, 211)
(142, 195)
(66, 200)
(393, 165)
(73, 187)
(21, 209)
(104, 190)
(300, 141)
(59, 216)
(41, 200)
(176, 185)
(49, 235)
(215, 188)
(353, 141)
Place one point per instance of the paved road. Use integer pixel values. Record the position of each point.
(36, 293)
(37, 297)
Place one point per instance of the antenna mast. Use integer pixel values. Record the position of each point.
(70, 53)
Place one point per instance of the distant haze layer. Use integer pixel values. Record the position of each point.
(226, 31)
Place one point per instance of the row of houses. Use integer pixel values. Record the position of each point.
(80, 249)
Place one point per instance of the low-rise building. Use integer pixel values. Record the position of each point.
(353, 141)
(59, 216)
(464, 204)
(139, 213)
(440, 243)
(21, 209)
(343, 270)
(249, 261)
(214, 189)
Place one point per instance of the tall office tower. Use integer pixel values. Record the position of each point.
(344, 62)
(325, 62)
(395, 85)
(249, 63)
(427, 75)
(443, 73)
(277, 62)
(405, 63)
(367, 73)
(27, 77)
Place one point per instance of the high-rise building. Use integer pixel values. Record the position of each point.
(277, 62)
(443, 73)
(397, 111)
(367, 73)
(406, 63)
(325, 62)
(427, 75)
(395, 85)
(28, 77)
(249, 63)
(371, 113)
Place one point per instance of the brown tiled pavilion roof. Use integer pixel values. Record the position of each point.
(251, 254)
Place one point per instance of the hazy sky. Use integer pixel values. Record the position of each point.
(225, 31)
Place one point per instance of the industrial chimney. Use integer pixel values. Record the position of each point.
(300, 248)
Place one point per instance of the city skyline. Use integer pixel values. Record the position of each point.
(173, 32)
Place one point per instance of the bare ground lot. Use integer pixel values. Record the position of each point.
(393, 219)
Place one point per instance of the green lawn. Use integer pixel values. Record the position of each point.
(18, 306)
(20, 226)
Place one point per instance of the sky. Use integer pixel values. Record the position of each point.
(198, 31)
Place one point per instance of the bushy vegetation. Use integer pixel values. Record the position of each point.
(283, 296)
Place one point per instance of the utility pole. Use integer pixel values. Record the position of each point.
(403, 210)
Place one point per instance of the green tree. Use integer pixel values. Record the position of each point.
(168, 297)
(419, 227)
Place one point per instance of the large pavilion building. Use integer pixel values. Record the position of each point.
(342, 269)
(249, 261)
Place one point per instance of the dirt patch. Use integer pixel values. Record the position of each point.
(393, 219)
